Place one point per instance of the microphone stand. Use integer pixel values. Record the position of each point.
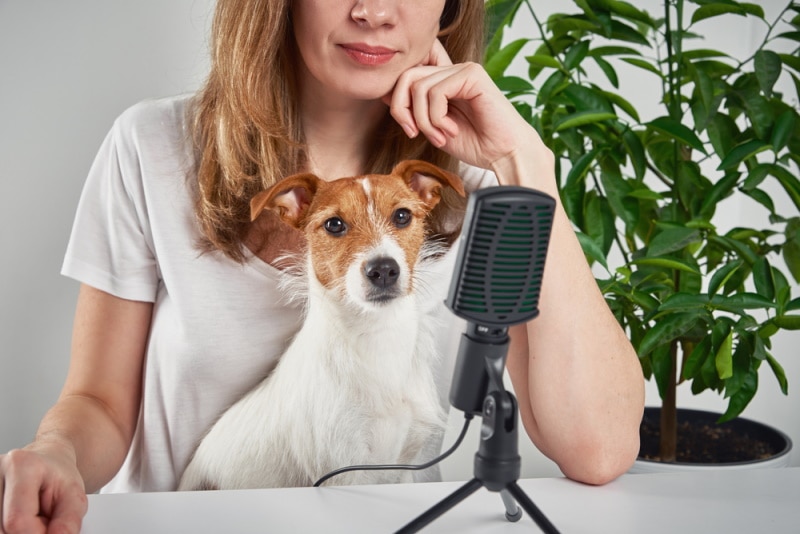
(497, 462)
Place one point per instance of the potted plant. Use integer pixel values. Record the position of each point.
(699, 302)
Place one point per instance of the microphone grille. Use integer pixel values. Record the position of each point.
(499, 270)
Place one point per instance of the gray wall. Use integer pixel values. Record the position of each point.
(67, 69)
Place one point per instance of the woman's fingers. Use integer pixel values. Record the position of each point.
(67, 515)
(22, 483)
(38, 497)
(426, 99)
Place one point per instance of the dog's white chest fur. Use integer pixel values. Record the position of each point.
(350, 389)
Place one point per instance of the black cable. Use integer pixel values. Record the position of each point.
(388, 467)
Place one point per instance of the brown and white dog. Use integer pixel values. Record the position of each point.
(356, 384)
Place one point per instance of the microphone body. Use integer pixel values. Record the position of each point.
(496, 283)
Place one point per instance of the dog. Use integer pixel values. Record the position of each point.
(356, 385)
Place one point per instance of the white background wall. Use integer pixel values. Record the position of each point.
(67, 69)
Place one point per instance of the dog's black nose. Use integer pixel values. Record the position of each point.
(382, 272)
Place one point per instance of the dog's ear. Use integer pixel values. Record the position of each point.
(289, 198)
(426, 179)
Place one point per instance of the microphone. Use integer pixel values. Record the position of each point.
(496, 281)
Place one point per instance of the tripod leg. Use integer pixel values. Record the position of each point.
(513, 513)
(533, 511)
(441, 507)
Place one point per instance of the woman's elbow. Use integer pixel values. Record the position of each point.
(599, 463)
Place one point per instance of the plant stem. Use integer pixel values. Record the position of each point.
(668, 444)
(767, 38)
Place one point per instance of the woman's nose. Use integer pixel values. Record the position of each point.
(374, 13)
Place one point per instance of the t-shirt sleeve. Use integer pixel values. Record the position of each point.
(110, 247)
(475, 178)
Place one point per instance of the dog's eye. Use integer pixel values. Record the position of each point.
(335, 226)
(401, 218)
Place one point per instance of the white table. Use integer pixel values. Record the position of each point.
(744, 501)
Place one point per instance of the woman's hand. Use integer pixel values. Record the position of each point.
(41, 491)
(460, 110)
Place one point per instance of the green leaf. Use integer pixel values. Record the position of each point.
(755, 176)
(677, 131)
(783, 130)
(740, 302)
(499, 62)
(762, 276)
(554, 84)
(672, 240)
(664, 331)
(722, 275)
(642, 64)
(789, 182)
(762, 198)
(621, 103)
(734, 245)
(581, 167)
(636, 151)
(742, 153)
(614, 51)
(787, 322)
(577, 53)
(791, 61)
(588, 98)
(705, 87)
(722, 133)
(760, 113)
(724, 358)
(768, 67)
(719, 191)
(661, 360)
(591, 249)
(513, 84)
(626, 10)
(794, 36)
(742, 398)
(715, 10)
(645, 194)
(542, 60)
(667, 263)
(582, 118)
(499, 13)
(617, 189)
(608, 70)
(753, 9)
(703, 53)
(780, 374)
(684, 302)
(791, 247)
(696, 358)
(623, 32)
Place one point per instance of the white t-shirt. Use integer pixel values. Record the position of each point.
(217, 326)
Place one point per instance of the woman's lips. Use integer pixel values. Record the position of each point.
(368, 55)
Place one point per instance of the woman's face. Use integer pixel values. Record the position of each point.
(358, 48)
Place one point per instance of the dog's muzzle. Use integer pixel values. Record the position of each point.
(382, 274)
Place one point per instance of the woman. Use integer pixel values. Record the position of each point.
(178, 312)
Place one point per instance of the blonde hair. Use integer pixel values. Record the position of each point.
(245, 120)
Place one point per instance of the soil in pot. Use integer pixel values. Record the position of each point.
(702, 440)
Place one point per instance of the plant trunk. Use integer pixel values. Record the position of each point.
(669, 411)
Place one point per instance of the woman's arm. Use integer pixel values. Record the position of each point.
(82, 441)
(579, 383)
(577, 376)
